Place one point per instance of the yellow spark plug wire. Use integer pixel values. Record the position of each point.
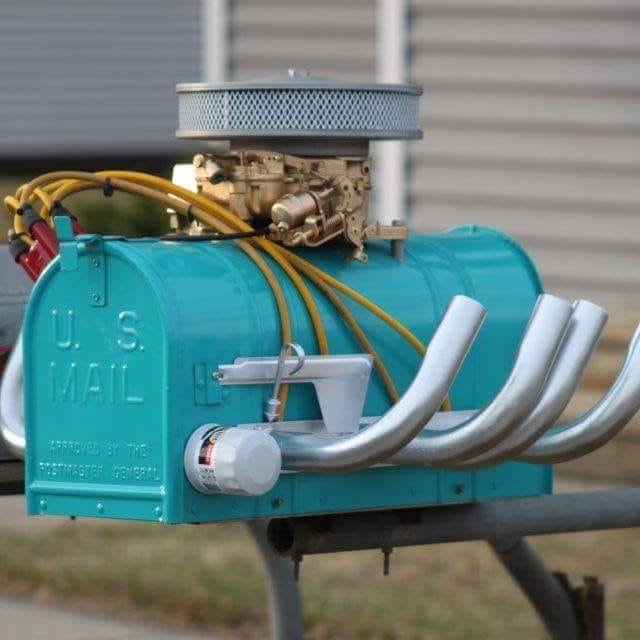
(60, 184)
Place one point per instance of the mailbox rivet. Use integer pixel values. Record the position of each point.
(158, 511)
(100, 507)
(43, 505)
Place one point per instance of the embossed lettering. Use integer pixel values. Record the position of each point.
(63, 448)
(70, 471)
(112, 383)
(128, 338)
(111, 448)
(68, 391)
(137, 450)
(93, 384)
(129, 398)
(64, 339)
(102, 383)
(138, 474)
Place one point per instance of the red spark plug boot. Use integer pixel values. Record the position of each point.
(40, 230)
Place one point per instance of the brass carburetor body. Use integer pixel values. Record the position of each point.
(298, 166)
(302, 201)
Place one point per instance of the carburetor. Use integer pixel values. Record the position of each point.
(304, 202)
(307, 184)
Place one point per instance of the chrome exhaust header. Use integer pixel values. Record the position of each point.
(514, 402)
(585, 328)
(11, 409)
(400, 424)
(598, 425)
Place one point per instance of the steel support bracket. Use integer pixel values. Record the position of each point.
(340, 383)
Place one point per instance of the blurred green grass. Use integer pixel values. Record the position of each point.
(210, 577)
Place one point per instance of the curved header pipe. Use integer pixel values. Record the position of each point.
(579, 342)
(443, 358)
(11, 410)
(514, 401)
(600, 424)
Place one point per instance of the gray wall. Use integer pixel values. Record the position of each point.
(532, 123)
(81, 77)
(332, 38)
(531, 110)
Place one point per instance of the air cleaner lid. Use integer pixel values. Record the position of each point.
(298, 105)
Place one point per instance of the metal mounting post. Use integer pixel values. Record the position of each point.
(542, 588)
(285, 603)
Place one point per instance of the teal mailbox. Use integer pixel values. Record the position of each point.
(125, 342)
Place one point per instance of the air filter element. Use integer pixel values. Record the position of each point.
(298, 106)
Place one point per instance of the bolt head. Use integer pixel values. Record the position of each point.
(292, 72)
